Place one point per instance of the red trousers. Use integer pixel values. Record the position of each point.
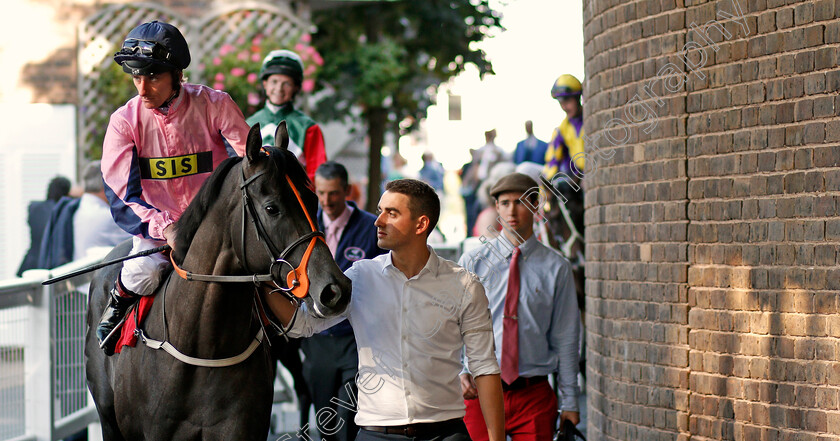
(530, 414)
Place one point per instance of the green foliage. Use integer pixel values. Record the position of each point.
(374, 71)
(392, 55)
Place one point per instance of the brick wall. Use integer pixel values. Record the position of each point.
(713, 219)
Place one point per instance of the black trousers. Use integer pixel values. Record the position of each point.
(330, 370)
(459, 434)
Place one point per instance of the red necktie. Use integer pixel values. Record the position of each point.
(510, 324)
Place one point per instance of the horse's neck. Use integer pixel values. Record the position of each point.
(204, 317)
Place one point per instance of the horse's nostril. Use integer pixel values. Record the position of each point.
(330, 295)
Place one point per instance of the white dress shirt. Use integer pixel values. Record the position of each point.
(410, 334)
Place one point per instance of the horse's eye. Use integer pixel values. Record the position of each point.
(272, 210)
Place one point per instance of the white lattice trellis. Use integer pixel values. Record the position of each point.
(100, 34)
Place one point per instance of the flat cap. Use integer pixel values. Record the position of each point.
(517, 182)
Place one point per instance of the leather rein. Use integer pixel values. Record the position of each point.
(296, 284)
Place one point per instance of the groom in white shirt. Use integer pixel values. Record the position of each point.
(412, 313)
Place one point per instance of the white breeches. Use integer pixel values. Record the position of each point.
(142, 275)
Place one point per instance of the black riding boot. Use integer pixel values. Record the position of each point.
(114, 312)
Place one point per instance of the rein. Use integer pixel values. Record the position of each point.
(575, 236)
(297, 280)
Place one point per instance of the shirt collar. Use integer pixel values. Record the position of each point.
(341, 220)
(431, 266)
(285, 107)
(172, 104)
(525, 247)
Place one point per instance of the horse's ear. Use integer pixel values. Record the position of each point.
(281, 136)
(254, 144)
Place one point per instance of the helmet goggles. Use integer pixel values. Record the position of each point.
(134, 49)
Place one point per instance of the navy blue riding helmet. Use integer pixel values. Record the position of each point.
(152, 48)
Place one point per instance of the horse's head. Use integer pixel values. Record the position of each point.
(283, 235)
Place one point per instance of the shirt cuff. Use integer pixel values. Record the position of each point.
(159, 223)
(570, 399)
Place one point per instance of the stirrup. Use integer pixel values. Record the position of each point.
(112, 318)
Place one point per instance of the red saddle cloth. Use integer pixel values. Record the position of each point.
(127, 337)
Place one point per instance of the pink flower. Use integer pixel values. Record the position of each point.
(257, 40)
(218, 86)
(219, 77)
(316, 58)
(226, 49)
(217, 61)
(310, 69)
(253, 99)
(255, 57)
(237, 71)
(308, 85)
(252, 78)
(299, 48)
(240, 41)
(242, 56)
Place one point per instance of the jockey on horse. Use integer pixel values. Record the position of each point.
(564, 165)
(158, 150)
(566, 143)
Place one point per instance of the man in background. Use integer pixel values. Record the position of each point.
(93, 225)
(39, 216)
(536, 324)
(530, 149)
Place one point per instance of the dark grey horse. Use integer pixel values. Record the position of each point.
(146, 394)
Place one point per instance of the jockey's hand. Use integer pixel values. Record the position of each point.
(468, 388)
(170, 234)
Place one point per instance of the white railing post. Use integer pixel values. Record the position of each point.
(38, 355)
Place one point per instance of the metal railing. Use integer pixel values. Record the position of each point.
(43, 395)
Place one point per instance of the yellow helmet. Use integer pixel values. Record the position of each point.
(566, 85)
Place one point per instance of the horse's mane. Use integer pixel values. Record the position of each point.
(189, 222)
(286, 163)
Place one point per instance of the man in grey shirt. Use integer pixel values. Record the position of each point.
(536, 324)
